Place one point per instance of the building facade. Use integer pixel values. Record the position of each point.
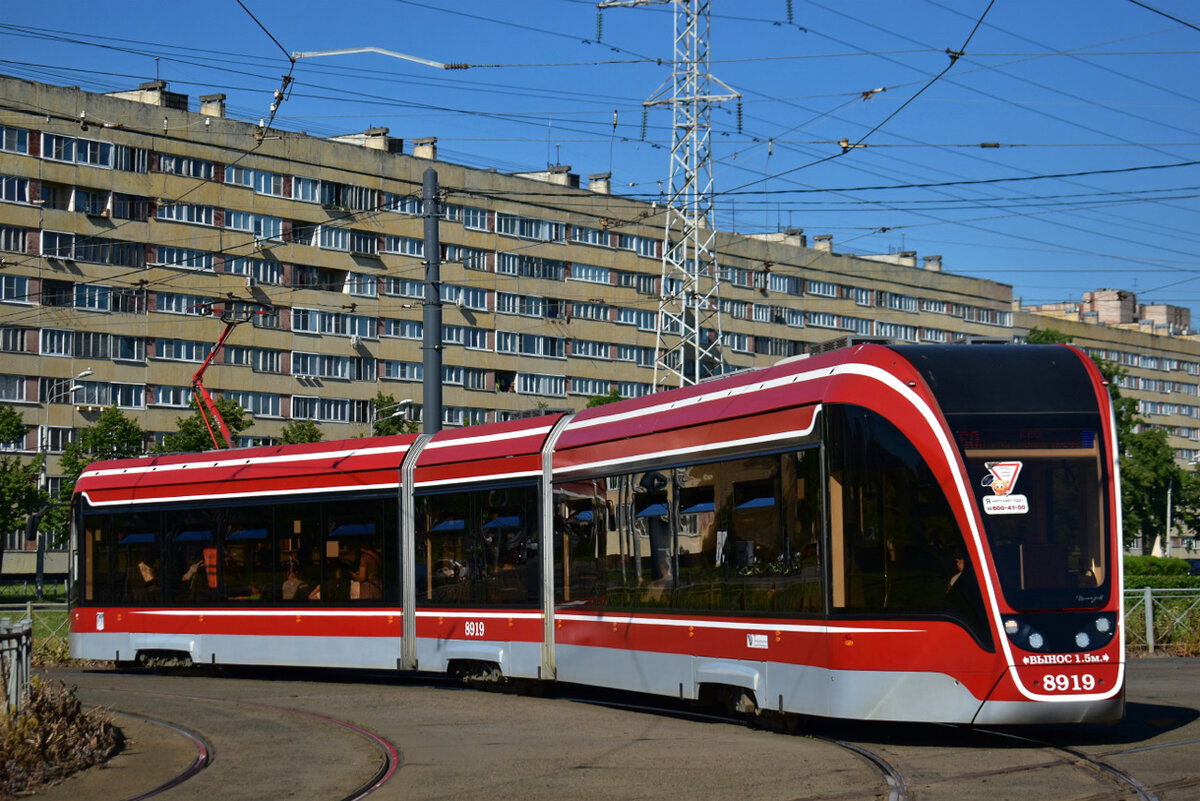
(129, 225)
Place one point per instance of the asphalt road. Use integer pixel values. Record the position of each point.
(324, 736)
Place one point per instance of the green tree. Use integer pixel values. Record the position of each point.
(600, 400)
(112, 436)
(1048, 336)
(191, 434)
(1147, 469)
(301, 431)
(391, 417)
(20, 493)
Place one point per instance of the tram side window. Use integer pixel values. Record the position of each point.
(139, 558)
(478, 547)
(895, 541)
(299, 545)
(355, 552)
(582, 540)
(99, 559)
(191, 563)
(248, 554)
(736, 535)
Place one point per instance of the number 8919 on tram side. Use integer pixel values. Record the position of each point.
(918, 533)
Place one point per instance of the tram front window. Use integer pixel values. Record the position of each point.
(1043, 510)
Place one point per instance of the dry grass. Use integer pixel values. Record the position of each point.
(51, 738)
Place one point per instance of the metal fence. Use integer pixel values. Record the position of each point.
(16, 660)
(1158, 618)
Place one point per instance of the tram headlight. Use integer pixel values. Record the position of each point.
(1082, 640)
(1011, 627)
(1036, 641)
(1102, 625)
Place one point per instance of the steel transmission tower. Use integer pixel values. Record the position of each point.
(688, 337)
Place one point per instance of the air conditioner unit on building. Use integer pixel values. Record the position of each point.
(354, 340)
(251, 282)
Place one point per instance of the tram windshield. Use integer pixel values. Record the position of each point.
(1041, 495)
(1027, 421)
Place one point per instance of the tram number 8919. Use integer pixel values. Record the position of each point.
(473, 628)
(1064, 683)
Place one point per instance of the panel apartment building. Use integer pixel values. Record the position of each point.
(128, 224)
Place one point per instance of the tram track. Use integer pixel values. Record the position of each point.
(897, 789)
(203, 758)
(1074, 756)
(206, 755)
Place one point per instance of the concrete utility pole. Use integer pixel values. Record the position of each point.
(688, 335)
(431, 342)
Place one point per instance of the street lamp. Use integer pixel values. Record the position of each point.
(401, 408)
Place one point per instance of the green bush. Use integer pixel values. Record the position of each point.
(1161, 582)
(1156, 566)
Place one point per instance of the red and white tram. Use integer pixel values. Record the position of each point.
(892, 533)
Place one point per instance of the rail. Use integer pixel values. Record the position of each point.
(1156, 618)
(16, 660)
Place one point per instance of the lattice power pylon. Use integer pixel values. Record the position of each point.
(688, 338)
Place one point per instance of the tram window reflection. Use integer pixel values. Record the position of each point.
(139, 557)
(894, 536)
(99, 558)
(478, 547)
(192, 561)
(298, 537)
(247, 554)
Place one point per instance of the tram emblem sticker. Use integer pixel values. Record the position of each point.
(1002, 480)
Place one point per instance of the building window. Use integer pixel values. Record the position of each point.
(130, 207)
(471, 258)
(404, 246)
(361, 284)
(14, 190)
(332, 238)
(262, 271)
(12, 339)
(178, 397)
(824, 289)
(128, 348)
(128, 396)
(12, 387)
(591, 274)
(181, 350)
(131, 159)
(14, 288)
(186, 166)
(539, 384)
(185, 258)
(529, 228)
(402, 204)
(177, 303)
(239, 176)
(590, 349)
(259, 404)
(186, 213)
(14, 140)
(93, 296)
(589, 236)
(14, 240)
(57, 342)
(269, 183)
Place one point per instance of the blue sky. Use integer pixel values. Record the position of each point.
(1095, 107)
